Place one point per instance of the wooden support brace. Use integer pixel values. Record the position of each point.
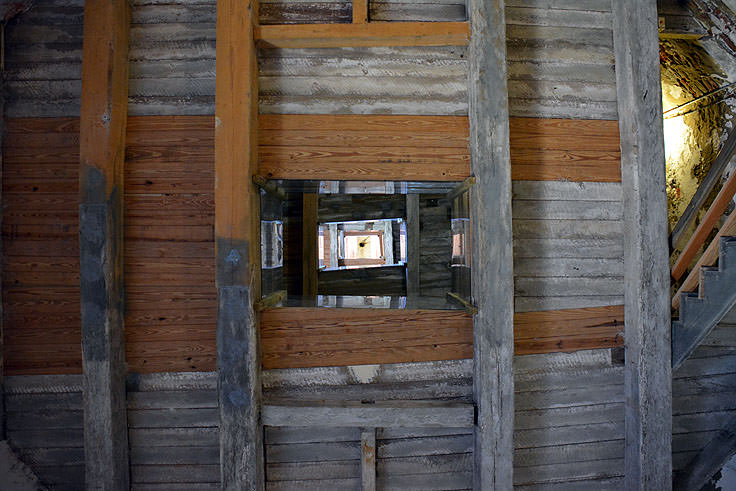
(368, 459)
(102, 151)
(648, 377)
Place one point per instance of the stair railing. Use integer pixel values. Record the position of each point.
(697, 240)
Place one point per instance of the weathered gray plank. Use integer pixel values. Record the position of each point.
(411, 414)
(427, 482)
(568, 267)
(492, 271)
(296, 471)
(173, 399)
(566, 287)
(576, 415)
(173, 437)
(414, 447)
(311, 452)
(709, 460)
(568, 248)
(566, 454)
(192, 455)
(165, 474)
(567, 435)
(176, 418)
(425, 464)
(570, 471)
(285, 434)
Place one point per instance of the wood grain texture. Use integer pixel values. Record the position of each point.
(430, 148)
(312, 337)
(367, 34)
(169, 249)
(648, 374)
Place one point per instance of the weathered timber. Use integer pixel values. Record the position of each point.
(237, 247)
(413, 232)
(407, 414)
(367, 34)
(102, 143)
(368, 459)
(492, 269)
(310, 259)
(718, 451)
(646, 267)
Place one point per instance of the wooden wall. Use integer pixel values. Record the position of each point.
(45, 427)
(704, 393)
(169, 244)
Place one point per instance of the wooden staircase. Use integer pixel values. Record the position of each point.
(701, 311)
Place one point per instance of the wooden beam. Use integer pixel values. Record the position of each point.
(367, 34)
(360, 11)
(412, 245)
(2, 266)
(391, 414)
(368, 459)
(714, 213)
(102, 151)
(648, 377)
(709, 461)
(237, 246)
(310, 252)
(709, 258)
(492, 269)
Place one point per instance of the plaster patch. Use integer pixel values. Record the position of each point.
(364, 374)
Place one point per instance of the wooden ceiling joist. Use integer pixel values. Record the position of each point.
(371, 34)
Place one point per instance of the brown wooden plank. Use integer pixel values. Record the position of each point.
(564, 134)
(42, 125)
(369, 34)
(351, 138)
(551, 323)
(450, 125)
(140, 126)
(307, 337)
(185, 363)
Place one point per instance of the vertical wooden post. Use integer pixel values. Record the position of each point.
(360, 11)
(310, 261)
(102, 156)
(412, 245)
(2, 336)
(237, 238)
(648, 377)
(492, 269)
(368, 459)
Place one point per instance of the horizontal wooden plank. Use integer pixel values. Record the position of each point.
(406, 414)
(371, 34)
(326, 337)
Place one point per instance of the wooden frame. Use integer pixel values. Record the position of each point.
(362, 32)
